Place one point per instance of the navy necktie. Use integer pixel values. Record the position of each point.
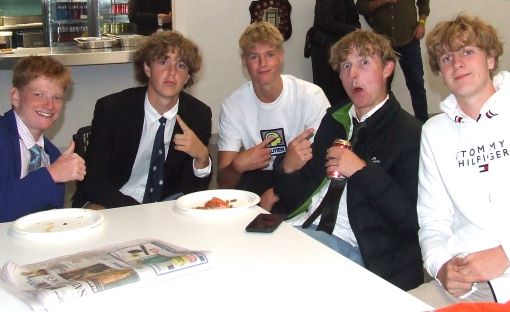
(157, 166)
(328, 208)
(35, 158)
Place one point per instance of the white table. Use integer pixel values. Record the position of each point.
(282, 271)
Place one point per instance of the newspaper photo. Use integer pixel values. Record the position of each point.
(46, 284)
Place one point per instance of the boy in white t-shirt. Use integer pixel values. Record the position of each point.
(260, 118)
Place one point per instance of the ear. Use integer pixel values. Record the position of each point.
(187, 78)
(15, 97)
(147, 70)
(491, 62)
(388, 69)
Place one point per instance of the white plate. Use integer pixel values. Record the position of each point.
(57, 222)
(189, 203)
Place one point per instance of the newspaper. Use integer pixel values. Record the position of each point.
(46, 284)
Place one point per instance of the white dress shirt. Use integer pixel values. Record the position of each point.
(135, 186)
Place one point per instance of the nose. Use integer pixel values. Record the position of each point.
(457, 61)
(172, 68)
(262, 61)
(353, 72)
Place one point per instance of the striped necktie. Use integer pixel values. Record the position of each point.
(35, 158)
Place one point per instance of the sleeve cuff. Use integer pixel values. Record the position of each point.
(204, 172)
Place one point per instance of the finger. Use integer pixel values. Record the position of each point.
(70, 149)
(181, 123)
(267, 141)
(305, 135)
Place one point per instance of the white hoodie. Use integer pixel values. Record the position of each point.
(463, 192)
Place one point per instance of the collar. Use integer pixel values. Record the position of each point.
(352, 111)
(24, 134)
(152, 115)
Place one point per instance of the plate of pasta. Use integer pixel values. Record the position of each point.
(216, 202)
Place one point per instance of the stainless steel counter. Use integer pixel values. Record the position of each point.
(71, 56)
(22, 26)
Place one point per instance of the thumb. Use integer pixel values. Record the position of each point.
(70, 148)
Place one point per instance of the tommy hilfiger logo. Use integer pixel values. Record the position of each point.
(484, 168)
(480, 156)
(278, 145)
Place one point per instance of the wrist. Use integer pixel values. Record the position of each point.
(422, 21)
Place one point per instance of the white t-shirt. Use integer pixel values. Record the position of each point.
(245, 120)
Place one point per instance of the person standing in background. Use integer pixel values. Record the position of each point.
(398, 20)
(333, 19)
(145, 14)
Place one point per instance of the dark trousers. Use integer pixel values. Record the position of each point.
(412, 67)
(325, 77)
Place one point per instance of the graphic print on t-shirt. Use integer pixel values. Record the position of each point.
(278, 145)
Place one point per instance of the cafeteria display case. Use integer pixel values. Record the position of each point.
(69, 19)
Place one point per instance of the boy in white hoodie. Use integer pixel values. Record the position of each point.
(463, 200)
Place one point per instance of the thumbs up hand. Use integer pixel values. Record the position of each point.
(68, 167)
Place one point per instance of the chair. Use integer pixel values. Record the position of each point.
(81, 141)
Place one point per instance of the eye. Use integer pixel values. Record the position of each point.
(58, 98)
(162, 62)
(38, 94)
(364, 61)
(182, 65)
(468, 51)
(445, 59)
(345, 66)
(252, 57)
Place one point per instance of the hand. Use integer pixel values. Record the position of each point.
(419, 32)
(257, 157)
(190, 144)
(454, 282)
(68, 167)
(485, 265)
(343, 160)
(460, 273)
(299, 152)
(268, 199)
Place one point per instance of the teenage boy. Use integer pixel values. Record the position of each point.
(131, 129)
(373, 221)
(33, 170)
(259, 119)
(464, 161)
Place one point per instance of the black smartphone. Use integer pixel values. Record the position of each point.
(265, 223)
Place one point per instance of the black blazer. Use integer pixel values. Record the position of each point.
(116, 132)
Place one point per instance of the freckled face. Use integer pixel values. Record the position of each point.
(38, 104)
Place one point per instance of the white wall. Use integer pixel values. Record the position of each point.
(216, 26)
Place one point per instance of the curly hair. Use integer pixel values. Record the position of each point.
(464, 30)
(260, 32)
(33, 67)
(366, 42)
(158, 45)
